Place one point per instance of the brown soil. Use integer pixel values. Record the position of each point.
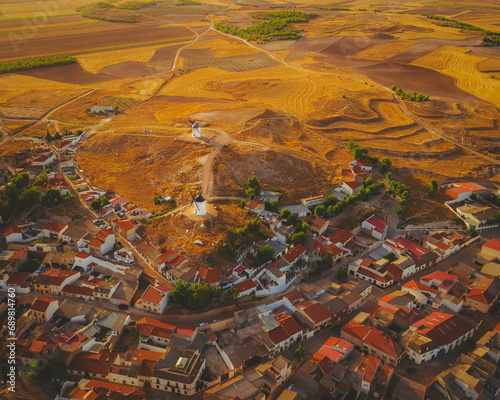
(128, 69)
(305, 46)
(164, 57)
(93, 39)
(418, 79)
(349, 45)
(73, 74)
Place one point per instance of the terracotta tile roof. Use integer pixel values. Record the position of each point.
(341, 236)
(318, 224)
(278, 335)
(127, 225)
(211, 275)
(320, 247)
(366, 272)
(442, 328)
(463, 187)
(289, 324)
(97, 363)
(82, 255)
(185, 330)
(493, 244)
(142, 354)
(246, 285)
(149, 326)
(41, 304)
(18, 278)
(104, 233)
(294, 253)
(317, 313)
(126, 390)
(54, 226)
(295, 296)
(420, 287)
(352, 185)
(172, 258)
(153, 295)
(484, 291)
(96, 242)
(74, 289)
(378, 223)
(438, 276)
(368, 368)
(18, 227)
(254, 205)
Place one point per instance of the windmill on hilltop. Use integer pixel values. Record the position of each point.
(200, 204)
(195, 129)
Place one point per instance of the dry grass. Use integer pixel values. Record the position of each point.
(224, 47)
(383, 51)
(94, 62)
(11, 147)
(137, 165)
(33, 8)
(457, 63)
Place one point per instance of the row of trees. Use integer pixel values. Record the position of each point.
(400, 189)
(34, 63)
(247, 234)
(408, 95)
(492, 38)
(200, 296)
(362, 153)
(136, 6)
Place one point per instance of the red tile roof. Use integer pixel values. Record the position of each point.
(438, 276)
(149, 326)
(18, 227)
(317, 313)
(53, 226)
(318, 224)
(420, 287)
(96, 242)
(254, 205)
(278, 335)
(246, 285)
(41, 304)
(211, 275)
(373, 337)
(377, 222)
(493, 244)
(172, 258)
(18, 278)
(333, 355)
(320, 247)
(97, 363)
(186, 330)
(294, 253)
(342, 236)
(463, 187)
(82, 255)
(289, 324)
(104, 233)
(126, 390)
(295, 296)
(152, 295)
(352, 185)
(442, 328)
(127, 225)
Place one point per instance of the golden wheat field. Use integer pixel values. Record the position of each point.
(455, 61)
(224, 47)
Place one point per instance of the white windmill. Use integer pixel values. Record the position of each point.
(196, 130)
(200, 204)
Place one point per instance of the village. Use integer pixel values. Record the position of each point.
(313, 311)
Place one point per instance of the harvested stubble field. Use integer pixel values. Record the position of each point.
(455, 62)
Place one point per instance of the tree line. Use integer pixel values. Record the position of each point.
(411, 96)
(199, 296)
(36, 62)
(271, 28)
(492, 38)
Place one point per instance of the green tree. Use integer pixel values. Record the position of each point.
(330, 200)
(231, 296)
(360, 153)
(254, 184)
(104, 201)
(320, 211)
(181, 294)
(368, 182)
(385, 164)
(5, 209)
(96, 204)
(251, 194)
(48, 138)
(351, 145)
(388, 176)
(52, 197)
(471, 231)
(342, 274)
(28, 198)
(20, 180)
(41, 180)
(265, 253)
(300, 352)
(242, 203)
(299, 238)
(285, 213)
(433, 185)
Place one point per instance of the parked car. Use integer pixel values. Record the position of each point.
(96, 221)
